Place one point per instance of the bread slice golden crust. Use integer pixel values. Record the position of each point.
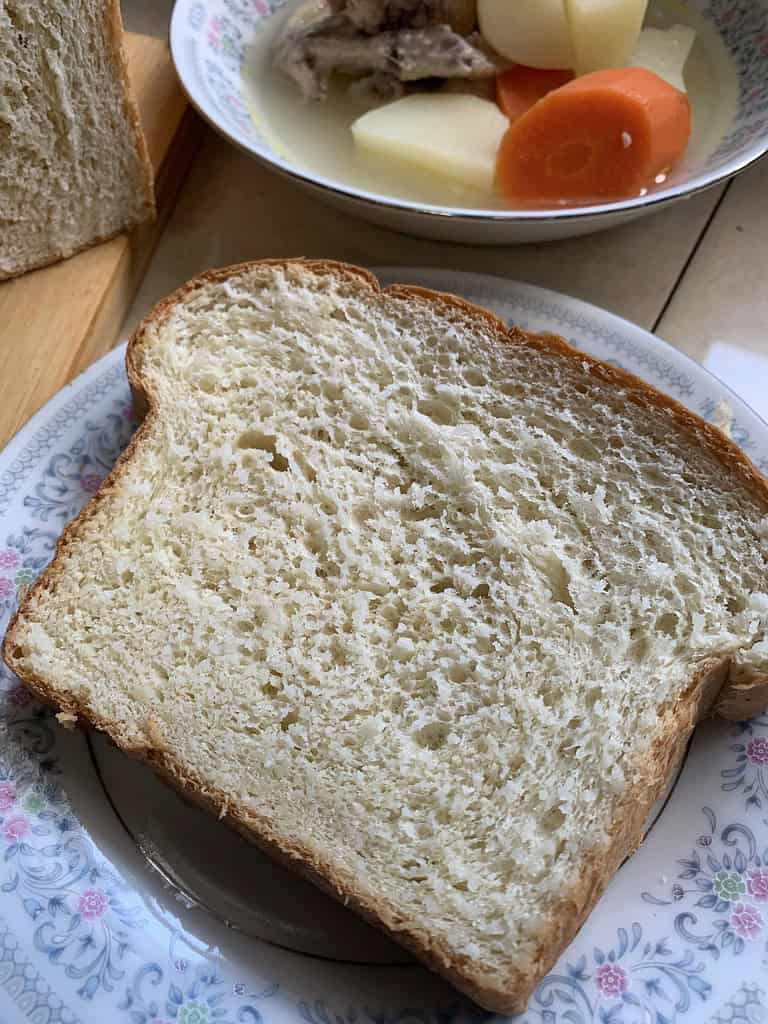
(113, 30)
(709, 688)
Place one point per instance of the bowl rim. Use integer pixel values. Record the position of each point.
(635, 206)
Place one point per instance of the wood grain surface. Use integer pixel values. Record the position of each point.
(54, 322)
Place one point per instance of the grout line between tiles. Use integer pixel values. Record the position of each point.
(691, 256)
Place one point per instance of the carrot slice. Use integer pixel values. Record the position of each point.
(605, 135)
(519, 87)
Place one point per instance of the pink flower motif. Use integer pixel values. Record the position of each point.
(746, 920)
(757, 750)
(90, 482)
(214, 33)
(9, 559)
(611, 979)
(757, 885)
(92, 904)
(20, 696)
(7, 795)
(16, 828)
(7, 587)
(129, 413)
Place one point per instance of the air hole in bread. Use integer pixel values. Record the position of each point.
(438, 411)
(584, 449)
(441, 585)
(459, 673)
(418, 515)
(255, 440)
(208, 384)
(289, 719)
(553, 820)
(433, 735)
(668, 624)
(475, 378)
(502, 412)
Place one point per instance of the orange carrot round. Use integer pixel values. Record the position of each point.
(519, 87)
(605, 135)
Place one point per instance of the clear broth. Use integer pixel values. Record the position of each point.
(316, 137)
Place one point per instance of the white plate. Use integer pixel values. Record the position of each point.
(90, 932)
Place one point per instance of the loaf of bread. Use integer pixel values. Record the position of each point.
(74, 168)
(423, 606)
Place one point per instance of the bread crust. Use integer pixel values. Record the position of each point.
(114, 35)
(561, 921)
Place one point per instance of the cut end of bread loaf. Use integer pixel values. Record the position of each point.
(423, 606)
(75, 168)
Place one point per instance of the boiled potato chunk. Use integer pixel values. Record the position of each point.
(531, 32)
(453, 135)
(603, 32)
(665, 51)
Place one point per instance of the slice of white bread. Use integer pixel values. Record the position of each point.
(423, 606)
(74, 168)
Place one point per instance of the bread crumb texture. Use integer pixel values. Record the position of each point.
(71, 171)
(422, 598)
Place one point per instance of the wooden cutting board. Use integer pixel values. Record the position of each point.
(54, 322)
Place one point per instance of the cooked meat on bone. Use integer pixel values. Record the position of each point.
(349, 37)
(379, 87)
(371, 16)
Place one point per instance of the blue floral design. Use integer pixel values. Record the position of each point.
(747, 1005)
(21, 559)
(110, 382)
(72, 476)
(200, 1001)
(645, 980)
(80, 906)
(24, 985)
(221, 30)
(726, 879)
(576, 326)
(226, 40)
(196, 16)
(738, 432)
(743, 26)
(750, 772)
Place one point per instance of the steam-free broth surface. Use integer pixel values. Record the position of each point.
(315, 137)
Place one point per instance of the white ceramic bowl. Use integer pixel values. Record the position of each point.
(210, 42)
